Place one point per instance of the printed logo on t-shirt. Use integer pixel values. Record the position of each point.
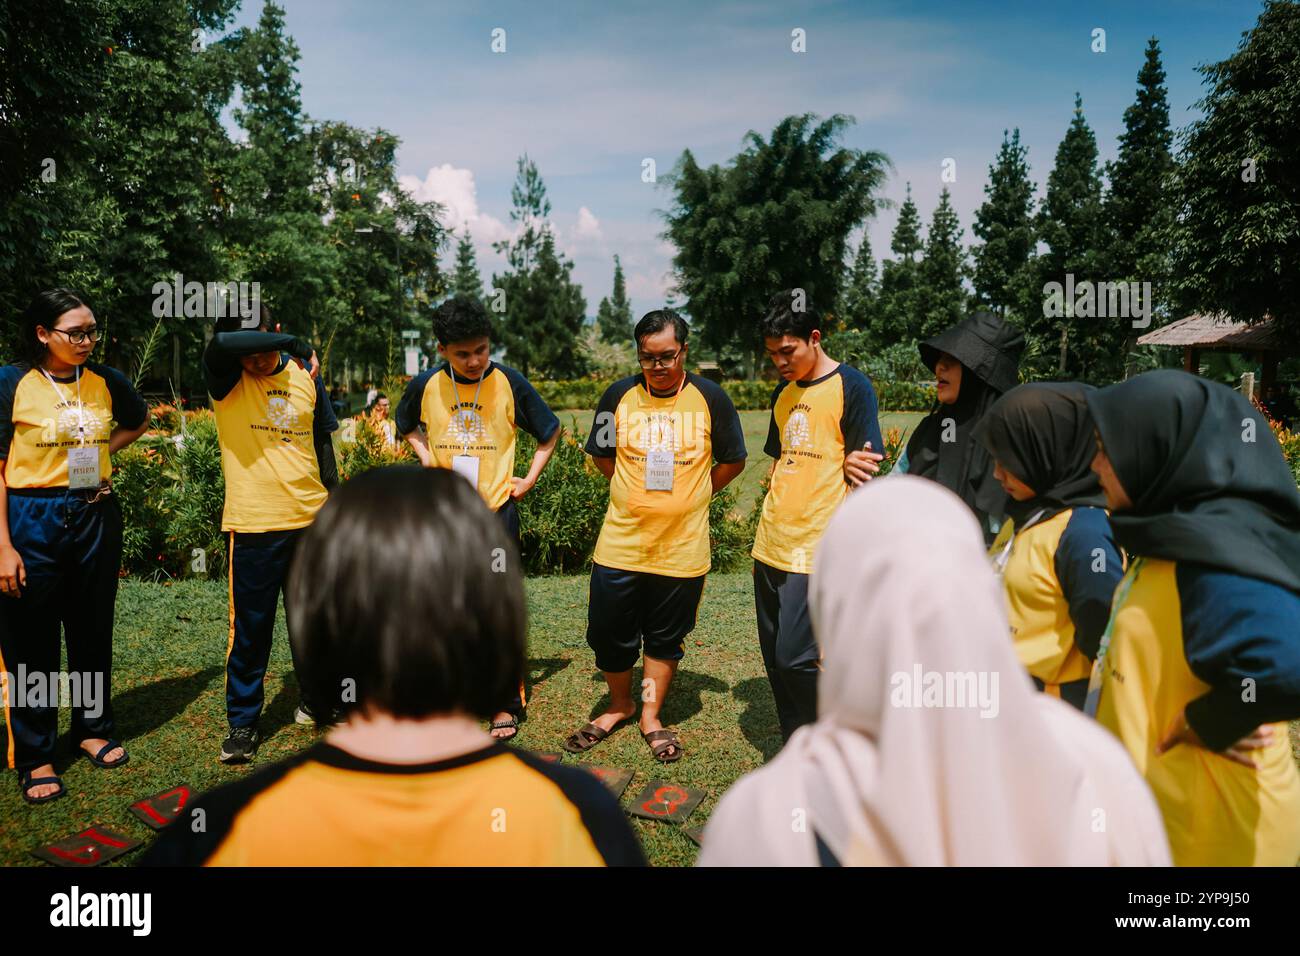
(280, 413)
(65, 429)
(797, 430)
(466, 427)
(661, 435)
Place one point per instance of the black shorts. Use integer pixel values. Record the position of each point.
(629, 608)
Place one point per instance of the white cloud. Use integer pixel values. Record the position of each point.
(454, 188)
(588, 226)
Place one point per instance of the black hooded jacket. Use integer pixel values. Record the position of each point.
(989, 351)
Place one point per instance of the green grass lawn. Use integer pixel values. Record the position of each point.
(170, 647)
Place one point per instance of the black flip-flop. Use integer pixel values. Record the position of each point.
(26, 781)
(98, 758)
(503, 725)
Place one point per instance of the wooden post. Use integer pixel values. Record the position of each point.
(1190, 363)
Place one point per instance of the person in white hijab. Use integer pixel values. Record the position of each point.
(931, 747)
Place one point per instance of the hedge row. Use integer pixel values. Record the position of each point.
(747, 395)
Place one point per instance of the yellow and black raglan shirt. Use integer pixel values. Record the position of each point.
(1060, 576)
(274, 433)
(498, 806)
(39, 421)
(662, 532)
(814, 424)
(464, 417)
(1223, 647)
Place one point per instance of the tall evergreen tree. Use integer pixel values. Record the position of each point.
(1138, 207)
(614, 316)
(1004, 224)
(861, 298)
(942, 297)
(1070, 222)
(277, 236)
(465, 281)
(545, 311)
(900, 279)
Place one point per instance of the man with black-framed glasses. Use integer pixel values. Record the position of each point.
(667, 440)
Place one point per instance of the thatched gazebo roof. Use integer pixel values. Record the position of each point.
(1220, 333)
(1210, 332)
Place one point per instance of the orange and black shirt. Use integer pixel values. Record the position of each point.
(497, 806)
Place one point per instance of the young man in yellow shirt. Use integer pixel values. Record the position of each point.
(273, 424)
(824, 438)
(667, 440)
(463, 415)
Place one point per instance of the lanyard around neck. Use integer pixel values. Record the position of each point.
(460, 413)
(1000, 562)
(81, 411)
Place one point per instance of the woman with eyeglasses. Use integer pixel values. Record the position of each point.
(61, 417)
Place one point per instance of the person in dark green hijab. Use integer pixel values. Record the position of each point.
(1199, 668)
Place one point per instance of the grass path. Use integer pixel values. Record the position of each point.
(169, 654)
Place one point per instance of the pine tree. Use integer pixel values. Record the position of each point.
(614, 316)
(544, 309)
(1070, 222)
(861, 300)
(900, 280)
(1138, 209)
(1005, 225)
(466, 282)
(942, 298)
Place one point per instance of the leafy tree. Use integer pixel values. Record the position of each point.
(777, 216)
(1238, 185)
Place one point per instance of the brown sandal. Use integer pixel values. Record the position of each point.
(583, 740)
(660, 741)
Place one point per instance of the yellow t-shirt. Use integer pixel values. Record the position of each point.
(813, 425)
(1216, 812)
(662, 532)
(469, 418)
(40, 420)
(268, 456)
(326, 807)
(1060, 576)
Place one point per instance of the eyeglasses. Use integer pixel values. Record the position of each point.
(651, 361)
(79, 336)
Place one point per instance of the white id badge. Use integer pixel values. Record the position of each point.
(467, 467)
(659, 470)
(83, 467)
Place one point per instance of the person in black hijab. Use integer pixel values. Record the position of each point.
(1201, 668)
(1057, 554)
(974, 362)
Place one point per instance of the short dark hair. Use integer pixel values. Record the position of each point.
(235, 323)
(657, 321)
(784, 319)
(398, 588)
(459, 319)
(44, 310)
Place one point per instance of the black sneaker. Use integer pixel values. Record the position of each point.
(240, 746)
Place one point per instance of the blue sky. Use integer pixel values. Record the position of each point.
(589, 90)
